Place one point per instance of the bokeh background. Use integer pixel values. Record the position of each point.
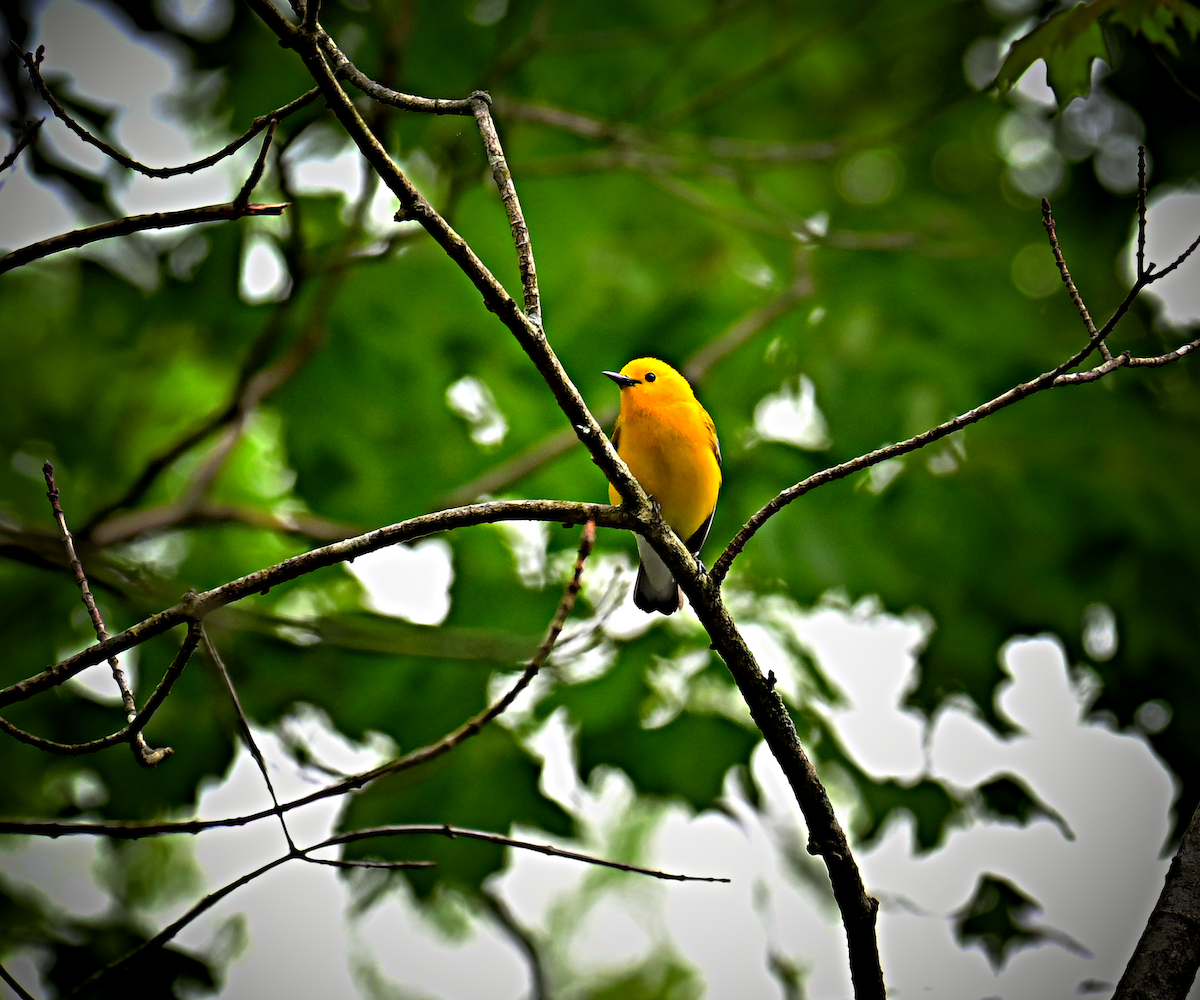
(829, 218)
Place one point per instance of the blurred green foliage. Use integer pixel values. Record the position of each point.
(722, 127)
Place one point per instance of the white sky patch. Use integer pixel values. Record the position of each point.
(408, 582)
(264, 274)
(96, 682)
(472, 400)
(1172, 222)
(528, 541)
(791, 416)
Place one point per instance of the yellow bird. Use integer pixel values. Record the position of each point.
(670, 445)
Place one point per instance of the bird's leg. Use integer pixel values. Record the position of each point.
(700, 567)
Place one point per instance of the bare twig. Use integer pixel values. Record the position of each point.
(481, 105)
(1141, 213)
(33, 66)
(197, 606)
(1055, 377)
(244, 726)
(1076, 298)
(145, 756)
(1166, 958)
(243, 196)
(16, 987)
(133, 729)
(26, 132)
(133, 224)
(474, 725)
(528, 334)
(344, 69)
(455, 832)
(442, 830)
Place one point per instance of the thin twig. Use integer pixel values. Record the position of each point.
(244, 726)
(343, 68)
(243, 196)
(474, 725)
(144, 755)
(1141, 213)
(197, 606)
(442, 830)
(1047, 380)
(481, 105)
(26, 133)
(133, 224)
(1076, 298)
(16, 987)
(33, 66)
(132, 729)
(456, 832)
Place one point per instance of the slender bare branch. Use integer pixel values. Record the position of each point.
(133, 729)
(1141, 213)
(133, 224)
(528, 334)
(141, 751)
(17, 988)
(455, 832)
(1076, 298)
(481, 104)
(346, 70)
(244, 726)
(243, 196)
(442, 830)
(197, 606)
(26, 132)
(33, 66)
(1047, 380)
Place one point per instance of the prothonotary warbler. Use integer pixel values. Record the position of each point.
(670, 445)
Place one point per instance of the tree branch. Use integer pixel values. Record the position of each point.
(1164, 963)
(142, 753)
(26, 132)
(529, 335)
(33, 64)
(17, 988)
(195, 607)
(133, 729)
(247, 735)
(1047, 380)
(133, 224)
(481, 105)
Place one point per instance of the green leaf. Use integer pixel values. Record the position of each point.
(1069, 40)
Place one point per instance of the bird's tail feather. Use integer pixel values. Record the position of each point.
(656, 589)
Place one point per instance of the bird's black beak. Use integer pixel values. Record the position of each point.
(624, 381)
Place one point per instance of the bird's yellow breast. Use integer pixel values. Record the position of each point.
(670, 447)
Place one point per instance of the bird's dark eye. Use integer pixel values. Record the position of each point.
(650, 376)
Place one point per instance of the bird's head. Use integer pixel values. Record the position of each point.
(647, 381)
